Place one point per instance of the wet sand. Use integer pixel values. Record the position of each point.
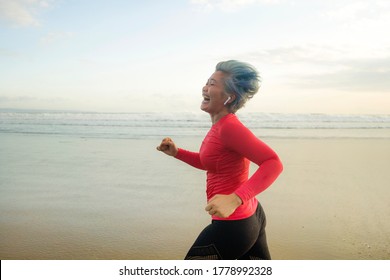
(74, 198)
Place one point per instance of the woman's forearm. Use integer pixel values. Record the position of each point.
(191, 158)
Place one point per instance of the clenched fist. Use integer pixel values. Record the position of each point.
(168, 147)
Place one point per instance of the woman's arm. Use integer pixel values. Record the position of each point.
(190, 158)
(168, 147)
(240, 139)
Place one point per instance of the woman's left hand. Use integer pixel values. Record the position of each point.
(222, 205)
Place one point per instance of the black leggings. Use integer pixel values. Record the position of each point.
(228, 240)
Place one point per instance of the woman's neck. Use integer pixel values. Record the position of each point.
(216, 117)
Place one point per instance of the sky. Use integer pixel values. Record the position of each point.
(326, 57)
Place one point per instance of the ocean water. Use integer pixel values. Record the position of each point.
(155, 125)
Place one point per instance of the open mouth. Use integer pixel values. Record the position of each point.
(206, 99)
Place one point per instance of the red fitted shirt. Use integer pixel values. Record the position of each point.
(225, 154)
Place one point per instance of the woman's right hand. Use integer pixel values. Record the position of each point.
(168, 147)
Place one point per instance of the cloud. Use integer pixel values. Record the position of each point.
(22, 12)
(359, 10)
(34, 102)
(52, 37)
(227, 5)
(8, 53)
(363, 75)
(325, 67)
(292, 61)
(17, 99)
(361, 16)
(299, 54)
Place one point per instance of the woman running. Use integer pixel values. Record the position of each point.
(237, 228)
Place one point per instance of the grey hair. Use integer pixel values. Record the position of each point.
(241, 79)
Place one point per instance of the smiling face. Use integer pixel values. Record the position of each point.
(214, 95)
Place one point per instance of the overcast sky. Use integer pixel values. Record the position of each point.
(330, 56)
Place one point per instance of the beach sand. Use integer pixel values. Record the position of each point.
(74, 198)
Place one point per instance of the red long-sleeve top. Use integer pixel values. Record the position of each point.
(225, 154)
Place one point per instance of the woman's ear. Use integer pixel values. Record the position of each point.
(227, 101)
(230, 99)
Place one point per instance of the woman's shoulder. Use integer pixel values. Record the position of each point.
(230, 120)
(231, 125)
